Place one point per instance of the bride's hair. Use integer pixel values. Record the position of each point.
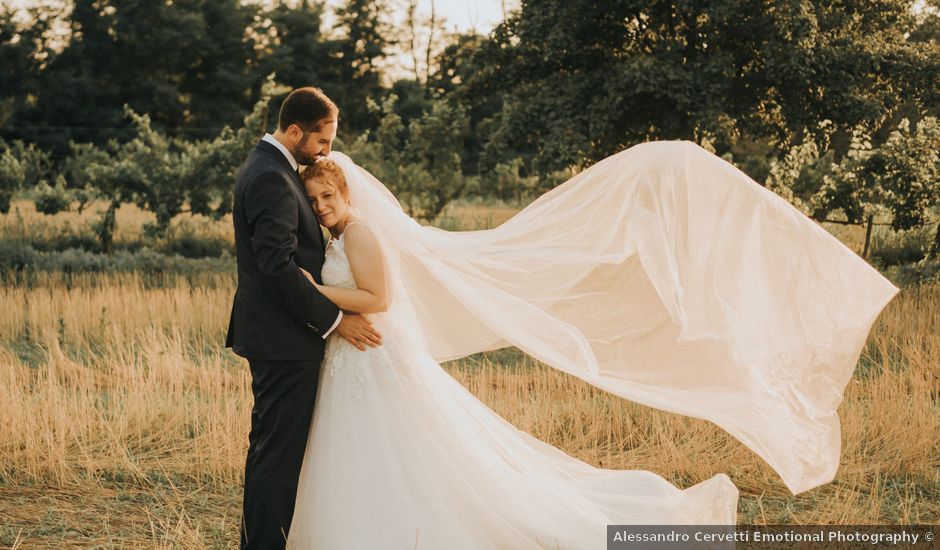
(329, 173)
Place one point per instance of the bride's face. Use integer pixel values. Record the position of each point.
(327, 201)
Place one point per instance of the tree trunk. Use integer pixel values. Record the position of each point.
(264, 121)
(411, 19)
(104, 227)
(427, 55)
(868, 224)
(935, 247)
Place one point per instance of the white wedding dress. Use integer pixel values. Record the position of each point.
(661, 274)
(402, 456)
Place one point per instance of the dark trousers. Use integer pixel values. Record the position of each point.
(284, 393)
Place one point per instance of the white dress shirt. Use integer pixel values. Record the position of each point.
(293, 162)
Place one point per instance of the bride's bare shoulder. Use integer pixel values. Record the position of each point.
(366, 259)
(360, 235)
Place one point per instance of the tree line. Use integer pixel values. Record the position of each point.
(833, 105)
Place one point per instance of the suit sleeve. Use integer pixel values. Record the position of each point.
(271, 209)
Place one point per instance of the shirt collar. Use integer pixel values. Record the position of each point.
(290, 158)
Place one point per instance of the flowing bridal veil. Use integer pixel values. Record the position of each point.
(663, 275)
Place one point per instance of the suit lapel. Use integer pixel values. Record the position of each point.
(298, 187)
(284, 163)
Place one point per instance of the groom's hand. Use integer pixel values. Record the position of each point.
(358, 331)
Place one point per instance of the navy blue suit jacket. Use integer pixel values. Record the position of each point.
(277, 315)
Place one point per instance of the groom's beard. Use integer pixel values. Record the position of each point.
(306, 160)
(303, 157)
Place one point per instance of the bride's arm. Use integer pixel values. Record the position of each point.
(368, 267)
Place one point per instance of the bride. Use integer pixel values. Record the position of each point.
(661, 274)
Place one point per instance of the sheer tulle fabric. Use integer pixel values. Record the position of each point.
(661, 274)
(402, 456)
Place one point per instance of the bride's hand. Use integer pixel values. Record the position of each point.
(309, 277)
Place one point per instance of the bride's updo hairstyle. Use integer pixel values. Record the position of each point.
(329, 173)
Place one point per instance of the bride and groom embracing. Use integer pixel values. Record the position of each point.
(661, 274)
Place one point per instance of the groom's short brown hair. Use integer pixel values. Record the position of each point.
(308, 108)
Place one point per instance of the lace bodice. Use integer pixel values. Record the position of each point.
(340, 355)
(336, 270)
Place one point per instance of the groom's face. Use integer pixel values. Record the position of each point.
(314, 144)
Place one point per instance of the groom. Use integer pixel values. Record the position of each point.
(279, 320)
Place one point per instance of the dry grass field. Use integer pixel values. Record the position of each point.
(123, 421)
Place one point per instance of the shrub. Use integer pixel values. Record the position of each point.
(12, 174)
(52, 199)
(920, 273)
(192, 246)
(900, 247)
(16, 255)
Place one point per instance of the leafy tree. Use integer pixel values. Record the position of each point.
(212, 166)
(420, 163)
(897, 177)
(79, 97)
(184, 63)
(217, 79)
(927, 23)
(12, 173)
(798, 175)
(79, 180)
(294, 48)
(23, 49)
(161, 174)
(458, 64)
(364, 43)
(51, 199)
(36, 162)
(900, 178)
(580, 79)
(433, 151)
(411, 100)
(21, 165)
(506, 182)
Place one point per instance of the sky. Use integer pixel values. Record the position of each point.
(481, 15)
(463, 15)
(457, 16)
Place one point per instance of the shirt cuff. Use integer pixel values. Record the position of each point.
(335, 324)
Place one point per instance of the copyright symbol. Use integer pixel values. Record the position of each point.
(928, 536)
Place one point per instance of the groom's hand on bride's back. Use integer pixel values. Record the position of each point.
(358, 331)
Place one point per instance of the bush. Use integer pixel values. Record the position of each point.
(16, 257)
(901, 247)
(920, 273)
(66, 240)
(191, 238)
(12, 174)
(906, 253)
(20, 166)
(52, 199)
(420, 162)
(72, 260)
(191, 246)
(505, 181)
